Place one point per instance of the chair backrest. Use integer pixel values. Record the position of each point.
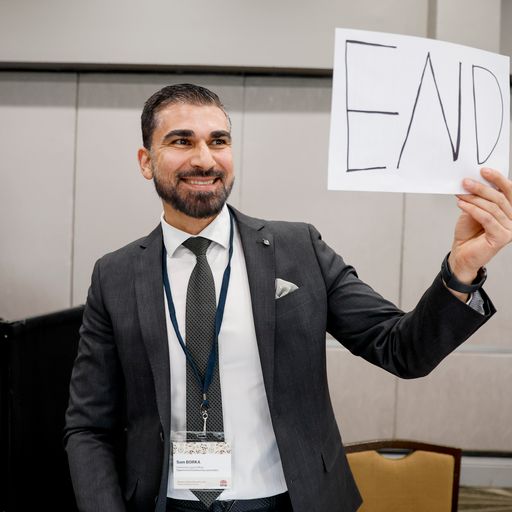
(405, 476)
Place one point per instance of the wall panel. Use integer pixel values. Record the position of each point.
(505, 26)
(37, 132)
(363, 396)
(465, 402)
(469, 22)
(164, 32)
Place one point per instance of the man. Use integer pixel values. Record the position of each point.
(134, 375)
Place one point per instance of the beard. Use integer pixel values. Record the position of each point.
(196, 204)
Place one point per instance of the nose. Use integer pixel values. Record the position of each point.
(202, 157)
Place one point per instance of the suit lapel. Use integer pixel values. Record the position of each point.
(151, 309)
(259, 260)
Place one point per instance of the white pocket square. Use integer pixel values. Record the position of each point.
(284, 288)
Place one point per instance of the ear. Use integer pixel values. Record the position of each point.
(144, 157)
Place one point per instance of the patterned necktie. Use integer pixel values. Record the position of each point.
(200, 332)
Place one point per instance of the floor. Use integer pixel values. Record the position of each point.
(485, 499)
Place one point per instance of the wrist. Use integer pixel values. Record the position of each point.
(461, 273)
(467, 281)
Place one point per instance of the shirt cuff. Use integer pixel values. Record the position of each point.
(476, 302)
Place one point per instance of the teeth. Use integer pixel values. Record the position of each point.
(196, 182)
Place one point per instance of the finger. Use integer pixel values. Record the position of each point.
(496, 234)
(503, 217)
(498, 180)
(491, 194)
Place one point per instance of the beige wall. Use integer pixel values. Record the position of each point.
(37, 134)
(506, 27)
(471, 22)
(70, 191)
(267, 33)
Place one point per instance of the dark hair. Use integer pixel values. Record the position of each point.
(169, 95)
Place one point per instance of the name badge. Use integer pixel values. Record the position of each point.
(201, 465)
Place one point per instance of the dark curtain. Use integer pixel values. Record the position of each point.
(36, 358)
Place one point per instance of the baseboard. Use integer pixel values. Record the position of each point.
(481, 471)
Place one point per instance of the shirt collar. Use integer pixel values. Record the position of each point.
(217, 231)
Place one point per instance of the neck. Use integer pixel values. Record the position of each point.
(185, 223)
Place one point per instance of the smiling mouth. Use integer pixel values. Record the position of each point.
(200, 182)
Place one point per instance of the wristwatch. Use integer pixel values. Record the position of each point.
(453, 283)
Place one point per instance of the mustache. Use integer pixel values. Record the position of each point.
(209, 173)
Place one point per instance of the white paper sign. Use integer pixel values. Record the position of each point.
(201, 465)
(415, 115)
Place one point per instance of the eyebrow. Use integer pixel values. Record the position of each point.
(178, 133)
(216, 134)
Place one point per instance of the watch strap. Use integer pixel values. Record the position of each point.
(454, 284)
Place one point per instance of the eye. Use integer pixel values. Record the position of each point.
(180, 142)
(219, 142)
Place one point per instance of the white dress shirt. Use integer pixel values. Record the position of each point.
(256, 464)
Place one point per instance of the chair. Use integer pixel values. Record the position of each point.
(405, 476)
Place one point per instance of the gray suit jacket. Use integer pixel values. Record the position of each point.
(118, 420)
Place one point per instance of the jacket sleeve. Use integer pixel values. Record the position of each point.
(94, 415)
(409, 344)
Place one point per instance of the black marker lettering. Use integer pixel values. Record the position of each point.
(480, 162)
(456, 147)
(354, 111)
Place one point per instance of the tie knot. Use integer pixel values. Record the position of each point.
(198, 245)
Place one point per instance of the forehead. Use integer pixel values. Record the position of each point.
(201, 119)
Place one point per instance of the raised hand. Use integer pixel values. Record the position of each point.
(484, 226)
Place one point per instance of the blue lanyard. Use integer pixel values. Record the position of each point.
(204, 383)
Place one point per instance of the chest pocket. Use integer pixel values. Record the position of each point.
(293, 301)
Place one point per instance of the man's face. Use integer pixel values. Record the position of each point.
(190, 159)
